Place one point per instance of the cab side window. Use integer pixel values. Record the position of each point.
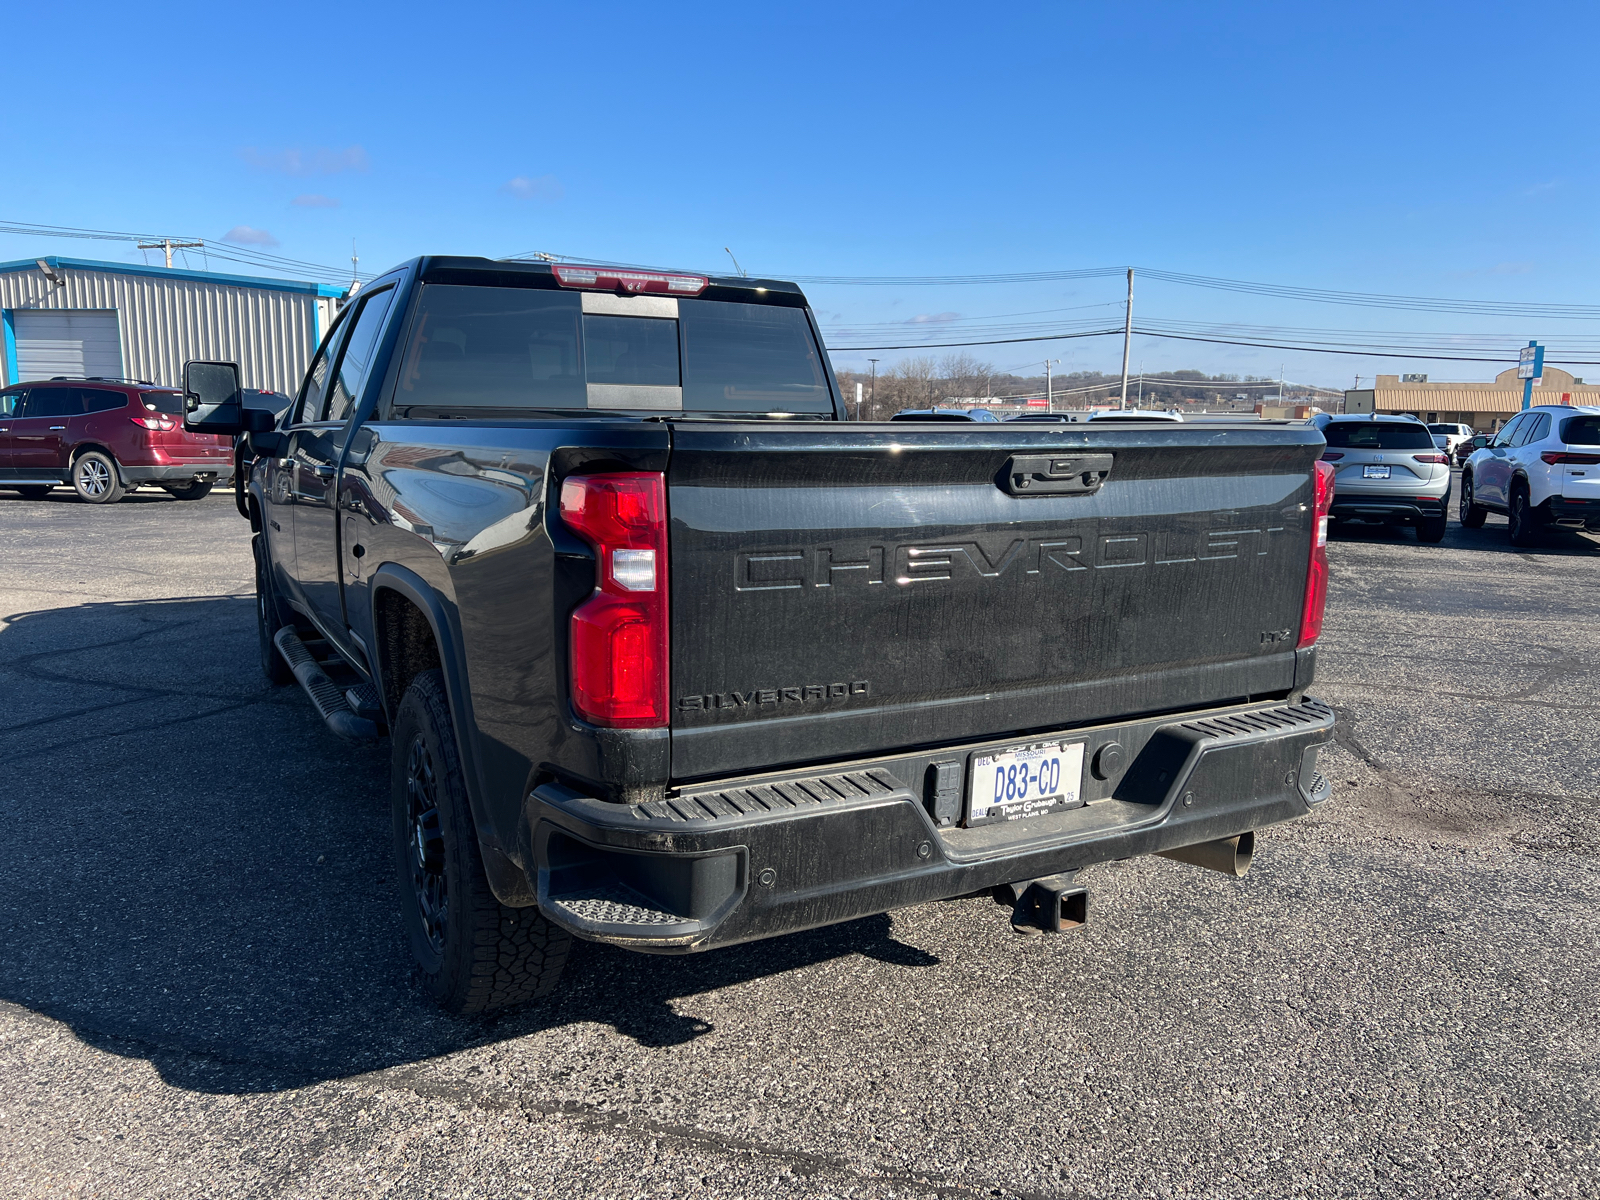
(100, 400)
(1535, 429)
(313, 391)
(356, 361)
(55, 402)
(11, 402)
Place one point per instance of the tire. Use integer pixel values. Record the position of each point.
(191, 491)
(1430, 530)
(1524, 524)
(95, 478)
(474, 954)
(1472, 517)
(33, 492)
(269, 618)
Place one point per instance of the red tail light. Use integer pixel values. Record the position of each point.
(1556, 457)
(1432, 458)
(1317, 575)
(157, 422)
(609, 279)
(619, 635)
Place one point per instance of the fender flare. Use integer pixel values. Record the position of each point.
(506, 878)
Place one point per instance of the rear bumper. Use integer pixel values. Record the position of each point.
(768, 855)
(1354, 506)
(1571, 511)
(217, 470)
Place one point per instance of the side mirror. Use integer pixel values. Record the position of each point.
(211, 399)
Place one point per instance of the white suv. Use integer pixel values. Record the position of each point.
(1542, 469)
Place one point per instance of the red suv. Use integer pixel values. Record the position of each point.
(105, 437)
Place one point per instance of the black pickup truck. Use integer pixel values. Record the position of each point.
(672, 657)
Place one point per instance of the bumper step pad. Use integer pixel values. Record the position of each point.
(330, 701)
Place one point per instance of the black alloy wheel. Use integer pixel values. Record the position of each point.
(1471, 515)
(429, 886)
(268, 619)
(473, 953)
(197, 490)
(1524, 526)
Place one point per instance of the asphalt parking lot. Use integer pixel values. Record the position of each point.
(204, 989)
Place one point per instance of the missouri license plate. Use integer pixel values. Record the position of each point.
(1371, 472)
(1024, 781)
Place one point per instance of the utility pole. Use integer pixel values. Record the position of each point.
(355, 279)
(874, 397)
(1127, 339)
(1049, 386)
(1282, 385)
(169, 246)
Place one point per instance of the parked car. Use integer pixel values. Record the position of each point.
(1453, 432)
(1388, 471)
(1542, 469)
(1471, 446)
(891, 666)
(105, 437)
(944, 414)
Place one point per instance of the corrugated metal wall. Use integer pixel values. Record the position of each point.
(166, 321)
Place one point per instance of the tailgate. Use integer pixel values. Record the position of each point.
(848, 590)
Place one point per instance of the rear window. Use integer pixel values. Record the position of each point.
(1581, 431)
(520, 348)
(164, 402)
(1377, 435)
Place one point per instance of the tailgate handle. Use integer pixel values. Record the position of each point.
(1056, 474)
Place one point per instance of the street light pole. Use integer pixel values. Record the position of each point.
(874, 398)
(1127, 339)
(1049, 387)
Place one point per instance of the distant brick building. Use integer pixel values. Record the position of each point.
(1484, 406)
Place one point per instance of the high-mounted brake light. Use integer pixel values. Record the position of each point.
(619, 635)
(611, 279)
(1557, 457)
(1317, 575)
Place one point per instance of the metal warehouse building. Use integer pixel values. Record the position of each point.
(69, 316)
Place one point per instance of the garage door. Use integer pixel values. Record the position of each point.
(67, 343)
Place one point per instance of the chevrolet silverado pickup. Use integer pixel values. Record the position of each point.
(671, 656)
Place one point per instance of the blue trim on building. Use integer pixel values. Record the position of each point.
(249, 281)
(7, 320)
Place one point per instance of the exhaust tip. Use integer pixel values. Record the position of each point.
(1231, 856)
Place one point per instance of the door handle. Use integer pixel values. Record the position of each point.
(53, 428)
(1064, 474)
(321, 470)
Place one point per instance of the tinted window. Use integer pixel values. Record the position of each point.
(1538, 429)
(1378, 435)
(357, 358)
(637, 351)
(483, 347)
(750, 358)
(11, 402)
(54, 402)
(315, 387)
(100, 400)
(1581, 431)
(170, 403)
(1509, 430)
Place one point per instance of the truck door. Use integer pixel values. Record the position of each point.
(316, 453)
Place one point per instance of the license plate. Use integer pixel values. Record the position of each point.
(1024, 781)
(1374, 472)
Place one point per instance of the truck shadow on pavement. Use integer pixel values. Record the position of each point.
(200, 875)
(1492, 539)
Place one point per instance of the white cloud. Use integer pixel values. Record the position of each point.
(313, 200)
(316, 160)
(932, 318)
(244, 235)
(545, 187)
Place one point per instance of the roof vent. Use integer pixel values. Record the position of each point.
(1413, 379)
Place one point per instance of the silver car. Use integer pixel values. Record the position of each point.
(1387, 470)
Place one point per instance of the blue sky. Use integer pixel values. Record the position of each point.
(1423, 149)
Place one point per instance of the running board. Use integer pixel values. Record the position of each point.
(330, 702)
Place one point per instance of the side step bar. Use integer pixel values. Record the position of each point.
(332, 704)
